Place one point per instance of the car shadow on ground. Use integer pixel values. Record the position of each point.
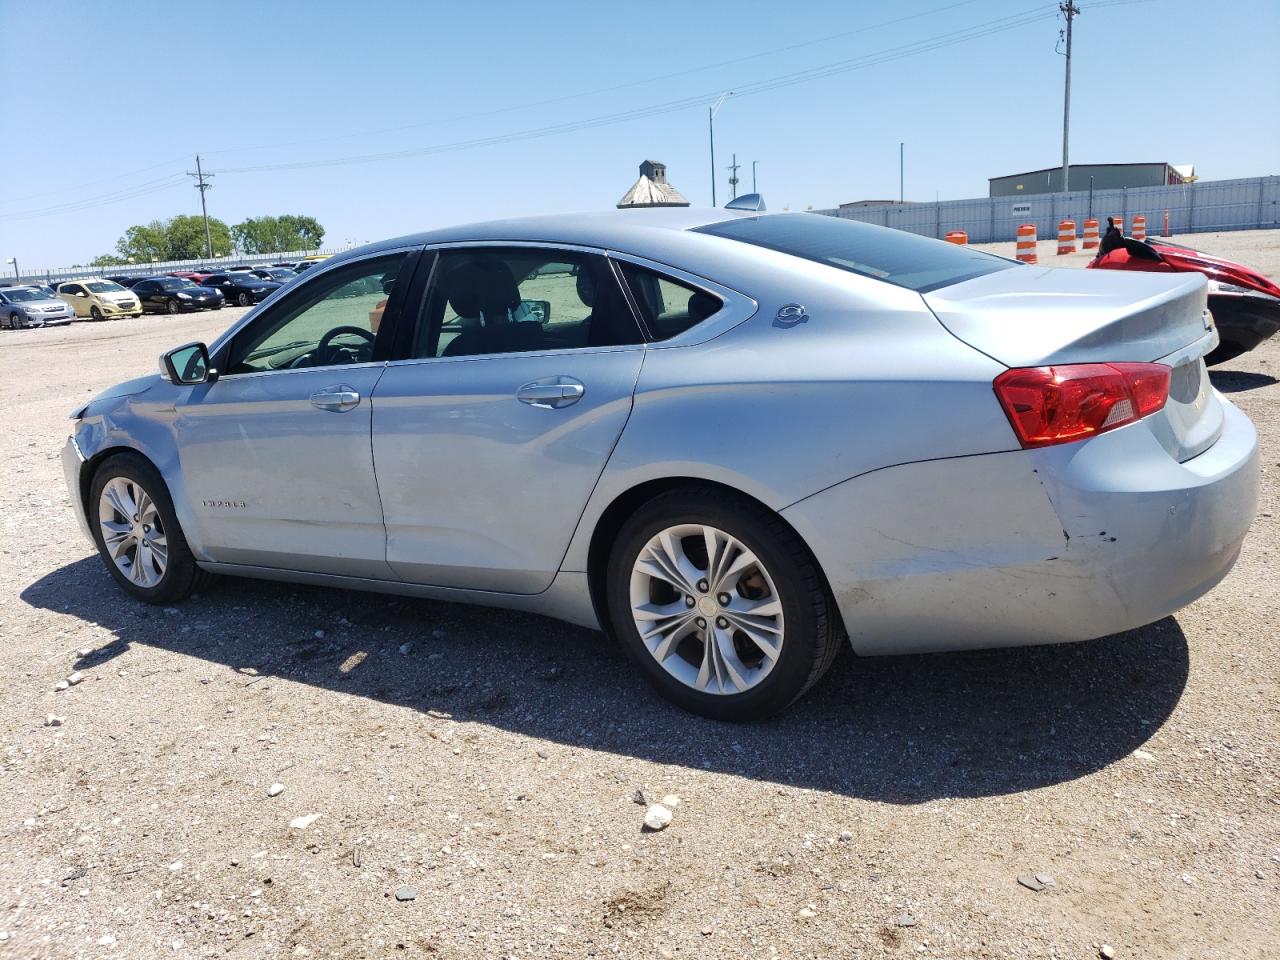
(896, 729)
(1234, 381)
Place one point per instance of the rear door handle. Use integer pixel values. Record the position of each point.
(551, 392)
(337, 398)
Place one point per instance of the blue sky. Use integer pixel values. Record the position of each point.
(118, 113)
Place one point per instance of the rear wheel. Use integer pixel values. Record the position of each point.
(721, 604)
(137, 531)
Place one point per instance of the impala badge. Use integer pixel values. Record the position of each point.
(790, 315)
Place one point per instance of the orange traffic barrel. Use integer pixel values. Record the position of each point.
(1090, 234)
(957, 236)
(1119, 222)
(1066, 237)
(1027, 243)
(1139, 227)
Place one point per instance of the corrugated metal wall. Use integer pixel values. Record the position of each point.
(1248, 204)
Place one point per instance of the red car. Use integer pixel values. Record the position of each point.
(1245, 304)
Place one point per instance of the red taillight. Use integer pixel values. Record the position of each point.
(1048, 405)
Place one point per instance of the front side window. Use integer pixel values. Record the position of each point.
(487, 301)
(667, 306)
(332, 321)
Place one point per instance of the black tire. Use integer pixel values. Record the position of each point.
(181, 576)
(171, 306)
(243, 299)
(95, 313)
(814, 634)
(15, 322)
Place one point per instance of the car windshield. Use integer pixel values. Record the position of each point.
(281, 274)
(894, 256)
(105, 286)
(20, 295)
(175, 284)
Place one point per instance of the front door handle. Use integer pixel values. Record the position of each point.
(336, 398)
(551, 392)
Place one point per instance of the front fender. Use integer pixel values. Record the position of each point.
(142, 423)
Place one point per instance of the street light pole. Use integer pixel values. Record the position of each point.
(711, 129)
(14, 261)
(753, 176)
(901, 170)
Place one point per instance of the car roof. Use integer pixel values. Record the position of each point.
(647, 232)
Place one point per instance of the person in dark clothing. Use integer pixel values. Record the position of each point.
(1112, 239)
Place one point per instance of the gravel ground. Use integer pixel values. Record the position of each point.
(484, 765)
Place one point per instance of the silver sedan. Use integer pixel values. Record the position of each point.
(734, 441)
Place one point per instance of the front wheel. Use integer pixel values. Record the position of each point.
(172, 306)
(243, 299)
(15, 321)
(95, 313)
(721, 604)
(137, 531)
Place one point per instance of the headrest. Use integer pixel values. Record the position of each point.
(483, 287)
(586, 286)
(702, 305)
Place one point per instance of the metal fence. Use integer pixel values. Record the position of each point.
(1248, 204)
(53, 275)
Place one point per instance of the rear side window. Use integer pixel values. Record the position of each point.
(894, 256)
(667, 307)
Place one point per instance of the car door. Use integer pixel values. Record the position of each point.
(76, 297)
(275, 453)
(490, 435)
(147, 291)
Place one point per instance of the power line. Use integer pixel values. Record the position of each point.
(888, 55)
(118, 196)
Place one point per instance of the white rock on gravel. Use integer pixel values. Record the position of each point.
(75, 678)
(301, 823)
(84, 651)
(1106, 952)
(53, 720)
(275, 790)
(657, 817)
(671, 801)
(60, 686)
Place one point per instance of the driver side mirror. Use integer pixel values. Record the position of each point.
(188, 364)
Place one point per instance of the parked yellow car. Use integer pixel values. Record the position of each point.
(99, 299)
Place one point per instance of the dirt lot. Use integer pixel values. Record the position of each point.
(490, 760)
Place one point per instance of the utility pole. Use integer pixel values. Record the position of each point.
(733, 177)
(753, 176)
(711, 127)
(201, 176)
(1070, 11)
(901, 171)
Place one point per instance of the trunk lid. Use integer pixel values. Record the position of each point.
(1041, 316)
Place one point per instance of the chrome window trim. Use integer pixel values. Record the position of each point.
(309, 276)
(738, 307)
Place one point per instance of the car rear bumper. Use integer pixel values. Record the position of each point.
(1028, 547)
(72, 464)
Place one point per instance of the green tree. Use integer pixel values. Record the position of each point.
(186, 241)
(108, 260)
(178, 238)
(269, 234)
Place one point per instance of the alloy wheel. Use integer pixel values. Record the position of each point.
(243, 299)
(133, 532)
(706, 609)
(172, 306)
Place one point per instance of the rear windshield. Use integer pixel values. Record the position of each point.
(894, 256)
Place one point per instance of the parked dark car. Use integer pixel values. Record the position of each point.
(242, 288)
(279, 274)
(176, 295)
(126, 282)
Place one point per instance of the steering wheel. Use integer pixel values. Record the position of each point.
(324, 349)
